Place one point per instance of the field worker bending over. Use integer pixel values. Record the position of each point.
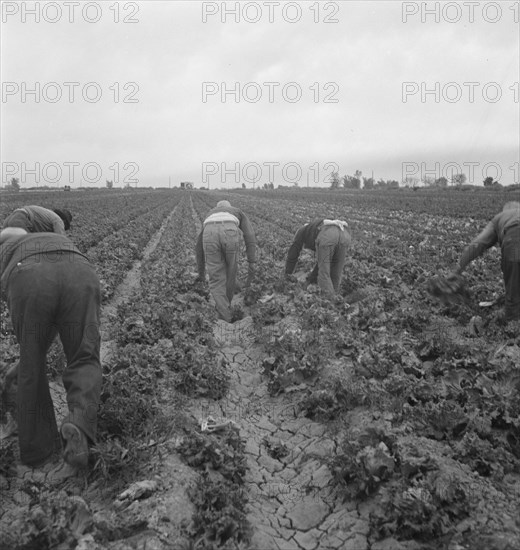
(503, 229)
(51, 288)
(36, 219)
(217, 249)
(330, 240)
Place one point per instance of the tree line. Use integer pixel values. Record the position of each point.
(358, 181)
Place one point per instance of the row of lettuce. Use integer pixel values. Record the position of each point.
(437, 387)
(161, 353)
(167, 357)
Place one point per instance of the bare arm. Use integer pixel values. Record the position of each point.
(249, 238)
(486, 239)
(294, 251)
(199, 254)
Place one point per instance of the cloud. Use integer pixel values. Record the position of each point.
(164, 60)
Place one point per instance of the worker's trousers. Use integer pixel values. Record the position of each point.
(331, 249)
(49, 296)
(221, 251)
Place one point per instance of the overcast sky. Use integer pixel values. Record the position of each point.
(363, 77)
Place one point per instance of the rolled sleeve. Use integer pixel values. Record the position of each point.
(486, 239)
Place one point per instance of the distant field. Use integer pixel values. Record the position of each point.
(417, 403)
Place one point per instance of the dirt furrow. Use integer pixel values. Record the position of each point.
(108, 312)
(292, 497)
(293, 501)
(131, 280)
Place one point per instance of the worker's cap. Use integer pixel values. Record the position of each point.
(65, 215)
(223, 203)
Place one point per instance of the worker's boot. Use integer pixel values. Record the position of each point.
(76, 445)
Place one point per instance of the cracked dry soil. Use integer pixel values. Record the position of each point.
(293, 502)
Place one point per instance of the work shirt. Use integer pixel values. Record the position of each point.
(492, 234)
(32, 247)
(236, 216)
(221, 217)
(305, 238)
(40, 220)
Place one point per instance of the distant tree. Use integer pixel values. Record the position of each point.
(392, 184)
(428, 181)
(458, 179)
(109, 184)
(490, 182)
(334, 180)
(352, 182)
(243, 186)
(368, 183)
(14, 183)
(410, 181)
(271, 185)
(381, 183)
(441, 182)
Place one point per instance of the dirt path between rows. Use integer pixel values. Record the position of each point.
(293, 502)
(292, 497)
(130, 283)
(122, 294)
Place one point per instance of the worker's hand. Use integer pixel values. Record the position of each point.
(453, 276)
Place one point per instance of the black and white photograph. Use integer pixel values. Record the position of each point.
(260, 275)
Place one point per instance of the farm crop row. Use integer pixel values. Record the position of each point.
(424, 397)
(437, 449)
(167, 327)
(111, 229)
(455, 203)
(96, 215)
(162, 349)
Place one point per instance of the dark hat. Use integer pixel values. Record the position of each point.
(65, 215)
